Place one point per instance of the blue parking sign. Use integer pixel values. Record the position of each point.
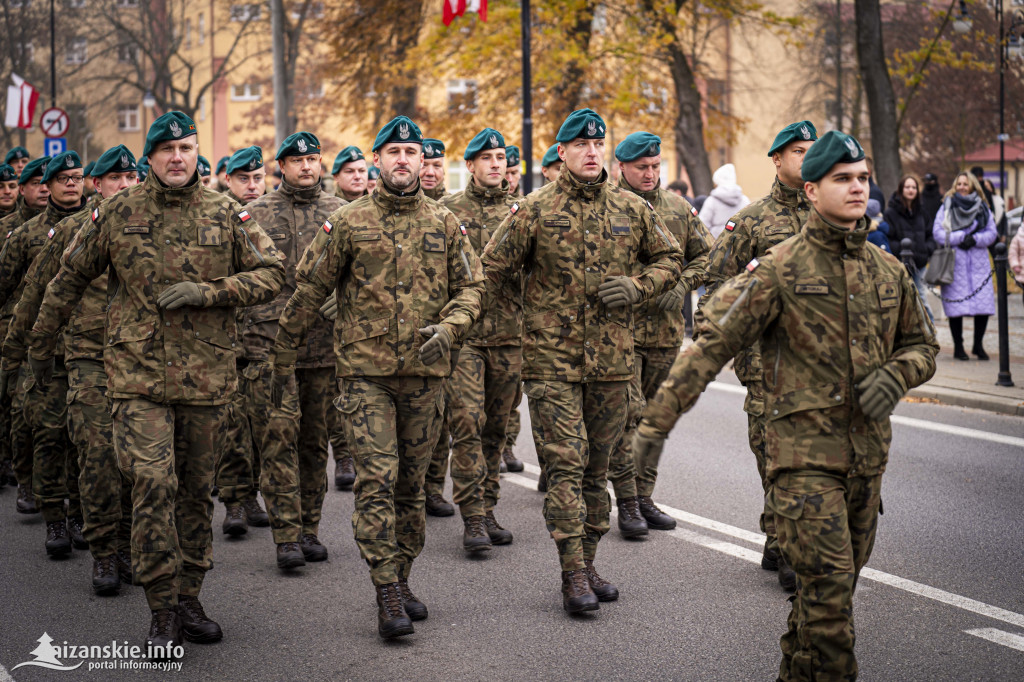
(55, 145)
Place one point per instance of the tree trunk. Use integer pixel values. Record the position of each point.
(874, 76)
(689, 126)
(568, 93)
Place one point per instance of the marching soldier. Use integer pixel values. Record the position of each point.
(592, 251)
(17, 158)
(513, 170)
(182, 258)
(205, 174)
(433, 170)
(485, 379)
(748, 235)
(842, 337)
(659, 328)
(8, 190)
(551, 164)
(247, 179)
(349, 173)
(408, 286)
(222, 172)
(372, 175)
(105, 491)
(292, 439)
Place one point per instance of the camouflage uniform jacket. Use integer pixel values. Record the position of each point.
(749, 234)
(567, 238)
(152, 236)
(481, 210)
(84, 337)
(341, 195)
(291, 217)
(665, 328)
(10, 289)
(399, 262)
(828, 309)
(437, 193)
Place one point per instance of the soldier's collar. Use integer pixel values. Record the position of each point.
(832, 237)
(491, 195)
(786, 195)
(390, 200)
(59, 212)
(651, 196)
(437, 192)
(574, 185)
(300, 195)
(162, 192)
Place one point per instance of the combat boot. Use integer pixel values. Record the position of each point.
(787, 576)
(58, 542)
(164, 631)
(414, 608)
(124, 566)
(195, 624)
(770, 557)
(255, 516)
(234, 521)
(392, 620)
(631, 521)
(105, 579)
(311, 547)
(474, 536)
(577, 594)
(604, 590)
(502, 467)
(75, 524)
(655, 518)
(510, 461)
(498, 535)
(344, 473)
(438, 506)
(26, 503)
(289, 555)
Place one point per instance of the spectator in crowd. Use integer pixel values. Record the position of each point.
(725, 200)
(680, 188)
(907, 220)
(1017, 257)
(931, 198)
(879, 229)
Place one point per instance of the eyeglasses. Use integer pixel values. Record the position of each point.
(65, 179)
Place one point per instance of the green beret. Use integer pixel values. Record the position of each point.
(550, 156)
(88, 169)
(488, 138)
(117, 159)
(203, 166)
(512, 155)
(62, 162)
(637, 146)
(17, 153)
(583, 123)
(143, 168)
(174, 125)
(7, 173)
(801, 130)
(245, 160)
(372, 173)
(33, 168)
(433, 149)
(833, 147)
(398, 129)
(299, 144)
(221, 165)
(346, 155)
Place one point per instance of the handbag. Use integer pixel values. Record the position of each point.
(941, 263)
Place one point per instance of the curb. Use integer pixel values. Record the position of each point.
(956, 398)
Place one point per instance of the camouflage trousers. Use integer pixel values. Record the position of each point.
(5, 410)
(826, 527)
(336, 435)
(580, 424)
(21, 434)
(55, 468)
(754, 407)
(437, 469)
(479, 396)
(631, 478)
(106, 492)
(238, 467)
(168, 451)
(515, 423)
(292, 446)
(391, 424)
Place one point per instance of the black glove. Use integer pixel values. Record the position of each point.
(8, 378)
(616, 292)
(674, 298)
(879, 394)
(42, 370)
(968, 242)
(180, 295)
(329, 310)
(279, 383)
(437, 345)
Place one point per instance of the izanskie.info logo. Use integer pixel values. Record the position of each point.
(113, 656)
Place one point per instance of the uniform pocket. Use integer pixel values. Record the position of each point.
(812, 527)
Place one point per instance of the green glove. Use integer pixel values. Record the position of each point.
(879, 394)
(42, 370)
(647, 448)
(616, 292)
(437, 345)
(7, 380)
(329, 310)
(279, 383)
(180, 295)
(674, 298)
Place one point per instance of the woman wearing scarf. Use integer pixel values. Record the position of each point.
(965, 222)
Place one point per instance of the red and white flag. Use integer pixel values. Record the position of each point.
(456, 8)
(21, 103)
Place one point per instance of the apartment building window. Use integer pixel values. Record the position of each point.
(245, 92)
(127, 54)
(18, 4)
(202, 108)
(315, 11)
(127, 3)
(27, 51)
(76, 4)
(128, 118)
(188, 32)
(462, 95)
(77, 51)
(245, 12)
(201, 29)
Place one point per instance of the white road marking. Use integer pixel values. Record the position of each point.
(908, 421)
(999, 637)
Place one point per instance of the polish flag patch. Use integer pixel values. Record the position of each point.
(463, 228)
(243, 216)
(328, 226)
(515, 207)
(694, 211)
(752, 265)
(95, 214)
(49, 235)
(730, 226)
(9, 234)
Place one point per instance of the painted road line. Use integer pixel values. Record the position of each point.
(999, 637)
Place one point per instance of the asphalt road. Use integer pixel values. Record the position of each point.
(941, 599)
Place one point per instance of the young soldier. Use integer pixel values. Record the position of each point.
(513, 170)
(247, 179)
(349, 174)
(8, 190)
(551, 164)
(18, 158)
